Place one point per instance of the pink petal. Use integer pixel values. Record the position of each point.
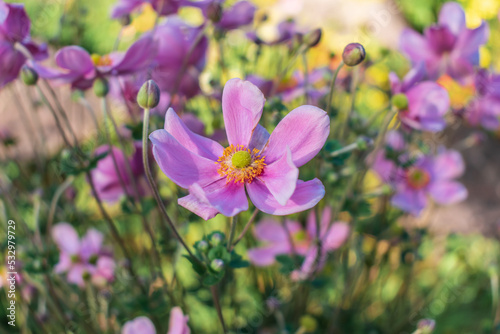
(75, 59)
(140, 325)
(199, 206)
(197, 144)
(337, 235)
(414, 45)
(448, 165)
(409, 200)
(91, 243)
(280, 177)
(470, 40)
(75, 274)
(440, 39)
(260, 137)
(66, 238)
(306, 195)
(228, 198)
(242, 104)
(178, 323)
(448, 192)
(305, 130)
(326, 217)
(266, 256)
(453, 16)
(138, 57)
(17, 23)
(105, 268)
(64, 263)
(179, 164)
(270, 230)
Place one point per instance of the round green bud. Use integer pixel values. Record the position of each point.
(363, 143)
(308, 323)
(202, 246)
(29, 75)
(86, 276)
(216, 239)
(93, 259)
(217, 265)
(149, 95)
(400, 101)
(354, 54)
(101, 87)
(214, 11)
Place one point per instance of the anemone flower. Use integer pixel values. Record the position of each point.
(484, 109)
(264, 164)
(15, 28)
(81, 258)
(447, 47)
(142, 325)
(427, 102)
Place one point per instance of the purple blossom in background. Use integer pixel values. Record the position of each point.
(263, 164)
(428, 102)
(108, 182)
(447, 47)
(383, 165)
(286, 31)
(15, 28)
(81, 257)
(484, 109)
(178, 324)
(163, 7)
(426, 176)
(78, 68)
(276, 239)
(297, 86)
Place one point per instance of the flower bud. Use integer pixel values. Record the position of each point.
(214, 11)
(216, 239)
(125, 20)
(312, 38)
(149, 95)
(101, 87)
(354, 54)
(29, 75)
(400, 101)
(426, 326)
(308, 323)
(86, 276)
(217, 265)
(202, 246)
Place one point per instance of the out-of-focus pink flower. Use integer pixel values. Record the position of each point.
(426, 176)
(447, 47)
(264, 85)
(15, 28)
(286, 31)
(428, 102)
(142, 325)
(163, 7)
(277, 239)
(108, 182)
(386, 162)
(81, 257)
(297, 86)
(238, 15)
(78, 68)
(264, 164)
(484, 109)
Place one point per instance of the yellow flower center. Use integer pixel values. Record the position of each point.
(417, 178)
(239, 164)
(101, 60)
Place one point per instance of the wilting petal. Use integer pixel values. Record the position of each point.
(197, 144)
(280, 177)
(409, 200)
(260, 137)
(336, 236)
(199, 206)
(448, 165)
(179, 164)
(228, 198)
(66, 238)
(304, 130)
(448, 192)
(306, 195)
(242, 104)
(452, 16)
(178, 323)
(140, 325)
(415, 46)
(75, 59)
(91, 243)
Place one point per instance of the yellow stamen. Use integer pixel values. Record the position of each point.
(101, 60)
(239, 164)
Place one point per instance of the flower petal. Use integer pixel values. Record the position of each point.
(448, 192)
(270, 230)
(178, 323)
(336, 236)
(409, 200)
(448, 165)
(74, 58)
(415, 46)
(197, 144)
(306, 195)
(66, 238)
(140, 325)
(240, 14)
(470, 40)
(427, 104)
(260, 137)
(265, 256)
(305, 130)
(91, 243)
(198, 206)
(179, 164)
(16, 25)
(242, 104)
(138, 57)
(452, 16)
(227, 198)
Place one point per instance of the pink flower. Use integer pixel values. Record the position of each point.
(484, 109)
(142, 325)
(81, 257)
(427, 101)
(447, 47)
(276, 240)
(263, 164)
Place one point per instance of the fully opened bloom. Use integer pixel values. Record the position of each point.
(427, 102)
(264, 164)
(278, 238)
(142, 325)
(81, 258)
(109, 182)
(447, 47)
(484, 109)
(80, 69)
(15, 28)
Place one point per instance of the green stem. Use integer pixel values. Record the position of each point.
(245, 229)
(332, 88)
(231, 233)
(215, 297)
(345, 121)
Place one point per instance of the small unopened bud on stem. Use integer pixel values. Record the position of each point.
(354, 54)
(149, 95)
